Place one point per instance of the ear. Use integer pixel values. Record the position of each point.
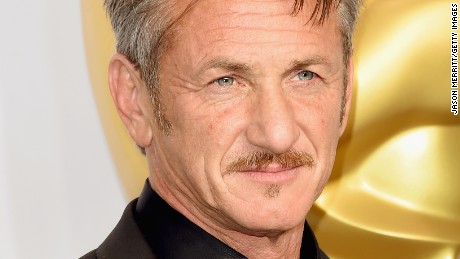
(348, 94)
(127, 88)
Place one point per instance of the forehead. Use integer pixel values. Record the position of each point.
(249, 27)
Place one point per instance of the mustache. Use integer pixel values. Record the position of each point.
(261, 160)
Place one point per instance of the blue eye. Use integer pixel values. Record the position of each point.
(305, 75)
(225, 81)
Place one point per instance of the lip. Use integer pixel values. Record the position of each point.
(272, 174)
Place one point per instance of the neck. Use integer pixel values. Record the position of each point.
(285, 244)
(252, 244)
(264, 245)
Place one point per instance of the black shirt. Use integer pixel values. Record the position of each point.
(171, 235)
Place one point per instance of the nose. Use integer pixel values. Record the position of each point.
(273, 126)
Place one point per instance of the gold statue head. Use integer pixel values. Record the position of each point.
(395, 179)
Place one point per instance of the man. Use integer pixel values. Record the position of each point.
(238, 106)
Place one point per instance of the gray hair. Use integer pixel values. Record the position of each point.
(143, 31)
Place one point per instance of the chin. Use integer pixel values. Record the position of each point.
(271, 216)
(253, 204)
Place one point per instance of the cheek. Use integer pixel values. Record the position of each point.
(206, 131)
(319, 120)
(223, 120)
(318, 114)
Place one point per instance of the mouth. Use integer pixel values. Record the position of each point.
(272, 174)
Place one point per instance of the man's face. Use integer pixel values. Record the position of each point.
(253, 95)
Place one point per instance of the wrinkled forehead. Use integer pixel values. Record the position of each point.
(264, 14)
(262, 20)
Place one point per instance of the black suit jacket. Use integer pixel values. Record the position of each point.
(125, 241)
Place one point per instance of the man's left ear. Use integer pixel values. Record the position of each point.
(128, 93)
(348, 94)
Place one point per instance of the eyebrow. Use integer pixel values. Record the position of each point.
(315, 60)
(229, 65)
(232, 65)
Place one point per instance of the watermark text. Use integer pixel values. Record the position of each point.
(454, 59)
